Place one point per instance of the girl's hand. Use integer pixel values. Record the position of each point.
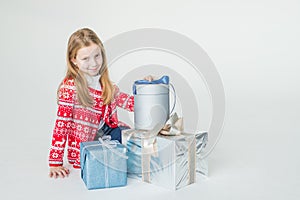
(61, 172)
(149, 78)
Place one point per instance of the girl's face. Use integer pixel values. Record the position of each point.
(89, 59)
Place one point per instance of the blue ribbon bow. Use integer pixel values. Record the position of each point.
(162, 80)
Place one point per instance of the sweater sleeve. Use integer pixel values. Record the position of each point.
(124, 100)
(64, 123)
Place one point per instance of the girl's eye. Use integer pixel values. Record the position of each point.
(84, 58)
(97, 55)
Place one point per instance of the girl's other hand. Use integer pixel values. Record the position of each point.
(61, 172)
(149, 78)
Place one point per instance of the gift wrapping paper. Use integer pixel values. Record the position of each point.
(103, 167)
(201, 163)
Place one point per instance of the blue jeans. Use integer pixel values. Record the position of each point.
(115, 133)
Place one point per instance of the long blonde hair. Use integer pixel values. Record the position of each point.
(79, 39)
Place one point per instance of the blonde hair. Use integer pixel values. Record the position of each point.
(79, 39)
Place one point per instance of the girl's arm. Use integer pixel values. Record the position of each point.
(124, 100)
(63, 125)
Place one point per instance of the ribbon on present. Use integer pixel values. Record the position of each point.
(173, 126)
(147, 136)
(162, 80)
(106, 142)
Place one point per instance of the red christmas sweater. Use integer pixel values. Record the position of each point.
(75, 123)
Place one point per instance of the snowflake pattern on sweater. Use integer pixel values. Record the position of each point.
(75, 123)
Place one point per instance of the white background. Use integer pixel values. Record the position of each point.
(254, 45)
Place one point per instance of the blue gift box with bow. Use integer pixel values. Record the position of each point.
(103, 164)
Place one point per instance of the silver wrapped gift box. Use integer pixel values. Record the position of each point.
(167, 161)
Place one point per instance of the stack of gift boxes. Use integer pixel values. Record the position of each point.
(168, 161)
(164, 155)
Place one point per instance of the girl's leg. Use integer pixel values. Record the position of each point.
(115, 133)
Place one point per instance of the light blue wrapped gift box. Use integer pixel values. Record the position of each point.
(168, 161)
(103, 167)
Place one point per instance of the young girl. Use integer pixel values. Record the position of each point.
(87, 101)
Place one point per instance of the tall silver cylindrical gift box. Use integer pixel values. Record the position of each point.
(151, 105)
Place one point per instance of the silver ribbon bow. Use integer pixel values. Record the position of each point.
(106, 141)
(173, 126)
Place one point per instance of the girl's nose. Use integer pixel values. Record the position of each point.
(92, 62)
